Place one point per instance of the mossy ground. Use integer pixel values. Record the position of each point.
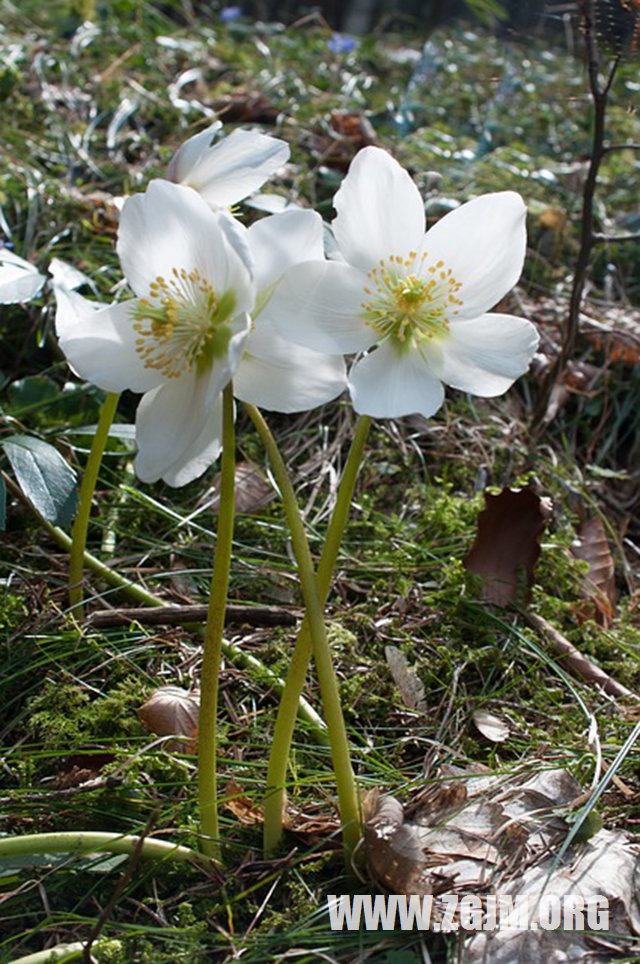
(486, 118)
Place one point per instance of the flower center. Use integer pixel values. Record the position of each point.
(181, 325)
(409, 302)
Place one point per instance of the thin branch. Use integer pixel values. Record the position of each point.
(605, 238)
(577, 662)
(237, 615)
(620, 147)
(587, 238)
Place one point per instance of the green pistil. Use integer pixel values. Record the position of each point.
(407, 307)
(185, 327)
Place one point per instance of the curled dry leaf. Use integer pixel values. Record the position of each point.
(253, 491)
(406, 678)
(242, 806)
(492, 727)
(599, 585)
(507, 544)
(484, 834)
(172, 711)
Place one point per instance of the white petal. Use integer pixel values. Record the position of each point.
(192, 151)
(19, 279)
(100, 345)
(380, 211)
(318, 304)
(201, 454)
(72, 309)
(66, 275)
(388, 383)
(483, 242)
(173, 426)
(236, 166)
(282, 240)
(282, 377)
(485, 356)
(169, 228)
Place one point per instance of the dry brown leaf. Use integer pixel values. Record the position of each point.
(599, 584)
(491, 727)
(507, 544)
(406, 678)
(242, 806)
(503, 836)
(172, 711)
(253, 491)
(246, 106)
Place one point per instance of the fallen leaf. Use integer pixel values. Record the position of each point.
(599, 585)
(253, 491)
(242, 806)
(406, 678)
(492, 727)
(501, 833)
(246, 106)
(507, 544)
(172, 711)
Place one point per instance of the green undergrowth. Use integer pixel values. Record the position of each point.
(400, 582)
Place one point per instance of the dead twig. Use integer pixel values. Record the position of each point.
(236, 615)
(576, 661)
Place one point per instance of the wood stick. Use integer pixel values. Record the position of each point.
(577, 662)
(236, 615)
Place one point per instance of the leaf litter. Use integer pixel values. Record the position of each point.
(481, 833)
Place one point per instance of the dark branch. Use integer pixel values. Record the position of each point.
(180, 615)
(605, 238)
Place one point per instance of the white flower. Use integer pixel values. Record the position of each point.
(180, 340)
(275, 373)
(229, 170)
(415, 302)
(19, 279)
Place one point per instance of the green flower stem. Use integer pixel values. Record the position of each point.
(87, 489)
(74, 842)
(140, 594)
(61, 953)
(294, 684)
(345, 780)
(214, 630)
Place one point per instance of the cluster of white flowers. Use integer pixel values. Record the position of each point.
(215, 301)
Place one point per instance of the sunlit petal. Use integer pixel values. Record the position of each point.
(380, 211)
(282, 240)
(19, 279)
(100, 345)
(234, 167)
(276, 375)
(388, 383)
(483, 244)
(486, 355)
(318, 305)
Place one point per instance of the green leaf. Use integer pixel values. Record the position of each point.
(44, 477)
(3, 504)
(31, 392)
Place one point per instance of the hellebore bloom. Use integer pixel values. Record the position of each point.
(19, 279)
(276, 374)
(180, 340)
(229, 170)
(415, 303)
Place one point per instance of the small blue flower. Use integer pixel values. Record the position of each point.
(229, 14)
(342, 44)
